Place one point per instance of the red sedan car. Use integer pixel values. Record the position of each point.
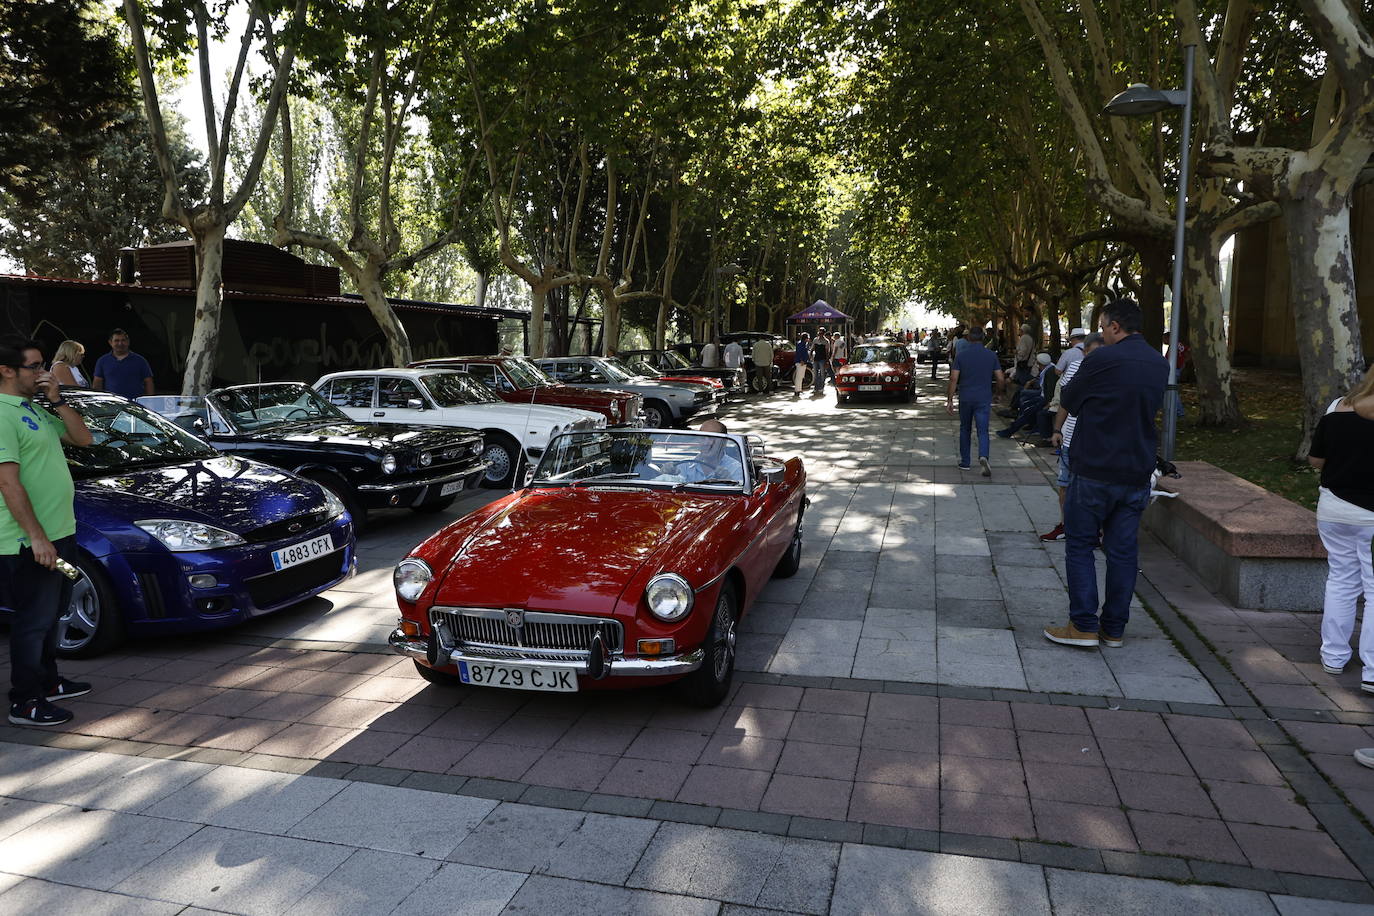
(627, 560)
(881, 370)
(518, 381)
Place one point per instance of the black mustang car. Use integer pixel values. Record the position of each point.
(368, 466)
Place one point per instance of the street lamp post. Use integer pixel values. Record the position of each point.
(1139, 99)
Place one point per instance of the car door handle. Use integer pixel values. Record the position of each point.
(379, 413)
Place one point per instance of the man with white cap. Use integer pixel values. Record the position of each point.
(1073, 354)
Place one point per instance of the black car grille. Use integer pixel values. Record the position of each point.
(296, 524)
(276, 587)
(152, 595)
(554, 637)
(702, 397)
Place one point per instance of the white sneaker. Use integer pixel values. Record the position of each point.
(987, 471)
(1365, 757)
(1332, 669)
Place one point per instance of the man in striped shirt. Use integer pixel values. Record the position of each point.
(1063, 433)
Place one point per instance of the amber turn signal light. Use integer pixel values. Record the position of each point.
(408, 627)
(657, 646)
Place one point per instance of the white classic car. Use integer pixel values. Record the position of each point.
(514, 433)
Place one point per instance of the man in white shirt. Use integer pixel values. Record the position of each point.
(710, 355)
(762, 355)
(1063, 428)
(1073, 354)
(734, 355)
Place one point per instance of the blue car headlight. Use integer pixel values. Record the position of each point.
(177, 535)
(332, 504)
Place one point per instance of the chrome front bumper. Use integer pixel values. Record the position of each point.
(412, 483)
(617, 666)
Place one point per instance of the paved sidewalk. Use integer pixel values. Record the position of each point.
(104, 833)
(897, 705)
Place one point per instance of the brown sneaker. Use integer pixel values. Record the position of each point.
(1071, 636)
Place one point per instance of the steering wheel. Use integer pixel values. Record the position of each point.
(298, 410)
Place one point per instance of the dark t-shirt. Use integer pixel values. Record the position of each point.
(124, 376)
(1346, 440)
(820, 350)
(977, 366)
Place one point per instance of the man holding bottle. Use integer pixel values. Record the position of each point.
(37, 529)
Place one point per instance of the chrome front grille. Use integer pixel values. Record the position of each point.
(542, 635)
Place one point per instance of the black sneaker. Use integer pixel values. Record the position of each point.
(66, 689)
(38, 712)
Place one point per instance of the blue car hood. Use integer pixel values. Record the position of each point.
(226, 491)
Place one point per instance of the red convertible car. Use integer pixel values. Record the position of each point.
(880, 369)
(516, 380)
(627, 560)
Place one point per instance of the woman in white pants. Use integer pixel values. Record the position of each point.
(1341, 448)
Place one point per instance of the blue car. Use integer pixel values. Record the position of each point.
(176, 537)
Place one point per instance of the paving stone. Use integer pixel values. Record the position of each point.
(114, 782)
(89, 848)
(875, 880)
(470, 891)
(1165, 793)
(1059, 856)
(365, 884)
(1257, 879)
(1175, 834)
(1254, 804)
(1307, 906)
(758, 821)
(1303, 851)
(248, 799)
(549, 896)
(29, 895)
(807, 796)
(602, 848)
(253, 873)
(1329, 890)
(1077, 893)
(418, 824)
(986, 815)
(738, 867)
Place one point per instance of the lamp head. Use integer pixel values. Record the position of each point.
(1139, 99)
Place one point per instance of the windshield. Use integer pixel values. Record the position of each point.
(640, 366)
(675, 360)
(127, 434)
(613, 370)
(654, 458)
(525, 374)
(454, 389)
(252, 408)
(879, 354)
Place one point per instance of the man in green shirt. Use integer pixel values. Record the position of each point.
(37, 527)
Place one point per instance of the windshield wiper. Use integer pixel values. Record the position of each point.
(708, 482)
(621, 475)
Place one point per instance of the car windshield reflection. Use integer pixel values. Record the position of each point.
(254, 408)
(525, 374)
(125, 435)
(455, 389)
(872, 354)
(657, 459)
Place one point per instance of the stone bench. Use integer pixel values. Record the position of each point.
(1252, 547)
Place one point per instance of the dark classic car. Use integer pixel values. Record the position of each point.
(877, 369)
(784, 352)
(366, 465)
(664, 404)
(627, 560)
(644, 369)
(175, 537)
(516, 380)
(674, 364)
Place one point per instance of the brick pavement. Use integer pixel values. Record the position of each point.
(1135, 770)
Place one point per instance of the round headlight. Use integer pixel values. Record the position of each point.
(426, 459)
(388, 464)
(669, 597)
(410, 578)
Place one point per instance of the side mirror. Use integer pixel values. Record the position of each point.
(529, 476)
(415, 404)
(773, 475)
(198, 424)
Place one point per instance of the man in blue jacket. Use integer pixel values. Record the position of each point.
(1115, 395)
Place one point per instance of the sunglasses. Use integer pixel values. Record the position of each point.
(32, 367)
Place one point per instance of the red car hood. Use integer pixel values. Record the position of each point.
(573, 549)
(873, 369)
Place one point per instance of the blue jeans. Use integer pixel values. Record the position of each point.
(1031, 402)
(1114, 509)
(823, 369)
(969, 414)
(38, 598)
